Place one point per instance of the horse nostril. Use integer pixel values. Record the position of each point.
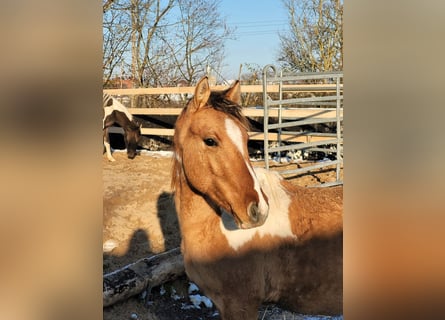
(254, 212)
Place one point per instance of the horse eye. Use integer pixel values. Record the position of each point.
(210, 142)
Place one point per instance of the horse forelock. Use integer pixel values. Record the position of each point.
(219, 102)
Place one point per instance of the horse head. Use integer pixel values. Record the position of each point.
(212, 157)
(132, 137)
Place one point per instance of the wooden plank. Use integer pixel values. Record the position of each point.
(156, 111)
(249, 88)
(252, 135)
(158, 131)
(256, 136)
(249, 112)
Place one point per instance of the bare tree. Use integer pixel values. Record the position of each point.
(129, 28)
(163, 42)
(198, 39)
(116, 32)
(315, 40)
(252, 75)
(106, 4)
(146, 19)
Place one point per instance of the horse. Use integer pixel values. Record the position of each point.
(248, 235)
(116, 112)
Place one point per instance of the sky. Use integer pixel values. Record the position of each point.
(257, 25)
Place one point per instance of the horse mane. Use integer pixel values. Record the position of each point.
(136, 123)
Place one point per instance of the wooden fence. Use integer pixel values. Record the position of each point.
(257, 112)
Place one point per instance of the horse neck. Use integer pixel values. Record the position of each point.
(199, 223)
(121, 119)
(193, 209)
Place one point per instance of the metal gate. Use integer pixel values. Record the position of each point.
(325, 105)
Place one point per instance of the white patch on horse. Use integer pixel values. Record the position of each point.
(179, 160)
(234, 132)
(108, 150)
(277, 223)
(116, 106)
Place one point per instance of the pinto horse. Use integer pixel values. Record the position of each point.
(116, 112)
(249, 236)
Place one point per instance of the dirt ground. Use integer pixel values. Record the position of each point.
(139, 220)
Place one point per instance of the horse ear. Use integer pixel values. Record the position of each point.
(234, 93)
(202, 94)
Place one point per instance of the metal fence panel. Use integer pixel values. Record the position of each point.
(271, 76)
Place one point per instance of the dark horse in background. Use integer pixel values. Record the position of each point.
(116, 113)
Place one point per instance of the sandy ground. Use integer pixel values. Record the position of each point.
(139, 220)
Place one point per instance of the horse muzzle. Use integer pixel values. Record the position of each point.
(257, 216)
(131, 155)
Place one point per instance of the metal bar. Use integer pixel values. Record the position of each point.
(266, 114)
(308, 76)
(280, 111)
(325, 150)
(304, 100)
(309, 168)
(339, 156)
(302, 145)
(326, 184)
(300, 123)
(318, 134)
(310, 87)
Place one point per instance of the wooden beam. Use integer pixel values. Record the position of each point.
(253, 135)
(156, 111)
(252, 88)
(250, 112)
(257, 136)
(158, 132)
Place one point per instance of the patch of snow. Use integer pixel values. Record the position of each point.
(157, 154)
(197, 299)
(193, 288)
(109, 245)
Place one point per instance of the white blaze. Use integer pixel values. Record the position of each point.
(234, 132)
